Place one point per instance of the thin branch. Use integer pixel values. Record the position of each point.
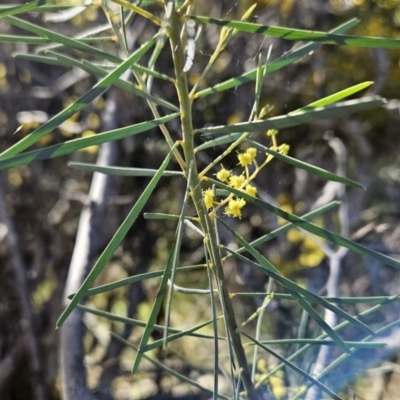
(89, 241)
(335, 258)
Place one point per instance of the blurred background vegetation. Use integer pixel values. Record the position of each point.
(44, 199)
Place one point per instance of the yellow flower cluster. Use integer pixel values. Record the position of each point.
(241, 182)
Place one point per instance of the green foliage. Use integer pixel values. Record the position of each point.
(203, 200)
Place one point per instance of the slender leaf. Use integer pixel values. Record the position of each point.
(177, 250)
(261, 71)
(319, 103)
(120, 171)
(38, 40)
(308, 167)
(40, 8)
(81, 36)
(156, 307)
(98, 89)
(23, 39)
(317, 342)
(98, 69)
(163, 216)
(297, 118)
(136, 322)
(295, 368)
(283, 229)
(4, 12)
(175, 336)
(70, 146)
(287, 59)
(65, 61)
(152, 62)
(288, 120)
(61, 39)
(293, 289)
(132, 279)
(344, 357)
(343, 300)
(268, 268)
(337, 328)
(312, 228)
(300, 34)
(169, 271)
(333, 98)
(116, 240)
(38, 58)
(215, 323)
(140, 11)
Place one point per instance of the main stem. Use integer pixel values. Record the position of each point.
(175, 27)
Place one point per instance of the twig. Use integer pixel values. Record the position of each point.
(335, 258)
(88, 244)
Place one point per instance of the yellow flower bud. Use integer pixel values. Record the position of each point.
(272, 132)
(223, 175)
(251, 190)
(208, 197)
(252, 151)
(245, 159)
(236, 181)
(284, 149)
